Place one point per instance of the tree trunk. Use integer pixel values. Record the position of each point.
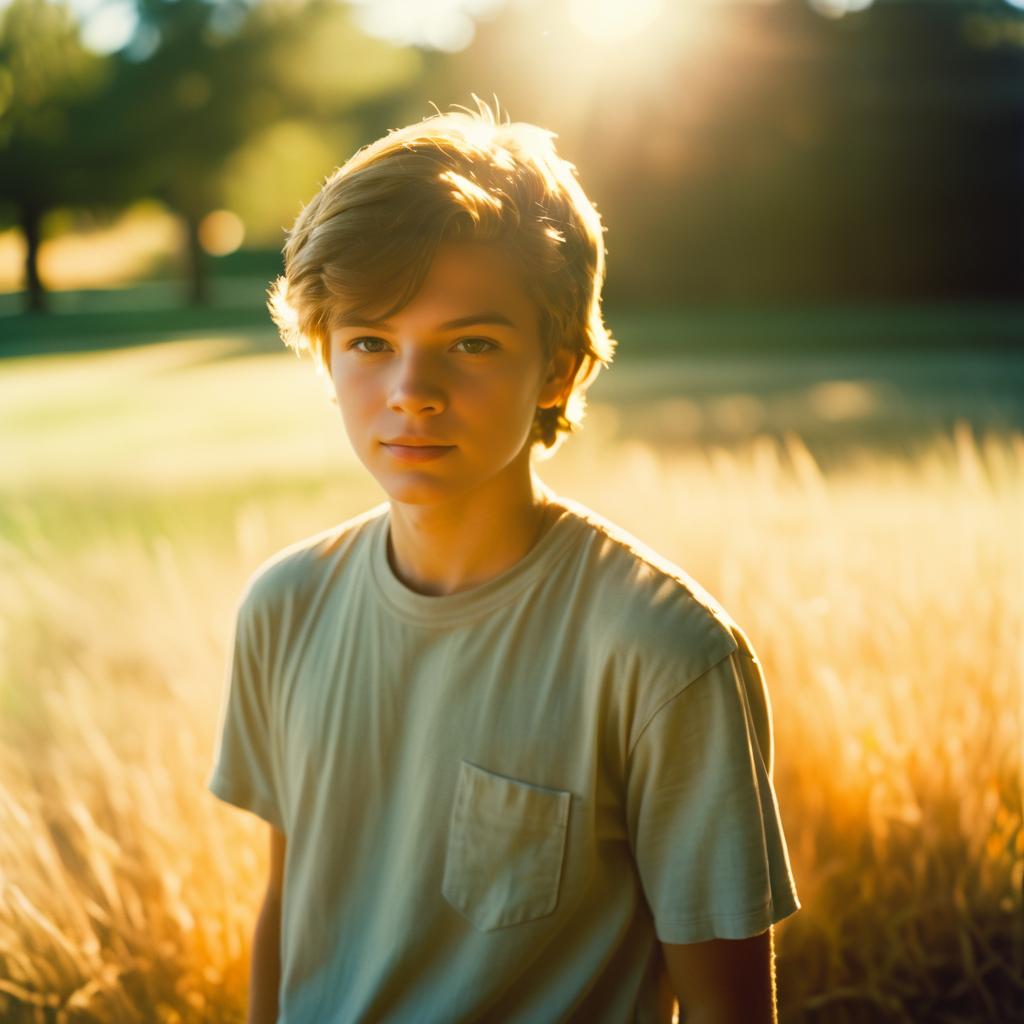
(31, 224)
(195, 264)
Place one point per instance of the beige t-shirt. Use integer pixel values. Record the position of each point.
(498, 801)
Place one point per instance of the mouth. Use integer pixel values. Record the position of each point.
(418, 452)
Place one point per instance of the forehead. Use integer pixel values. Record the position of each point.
(467, 278)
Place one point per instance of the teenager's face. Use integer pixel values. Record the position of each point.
(440, 400)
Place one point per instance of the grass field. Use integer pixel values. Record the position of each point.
(880, 582)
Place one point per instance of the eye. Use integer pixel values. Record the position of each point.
(474, 342)
(358, 342)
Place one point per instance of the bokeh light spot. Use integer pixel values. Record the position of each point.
(837, 400)
(837, 8)
(221, 232)
(109, 27)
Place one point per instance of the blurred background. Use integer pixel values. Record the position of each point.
(833, 179)
(815, 232)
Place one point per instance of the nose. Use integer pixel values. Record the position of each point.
(416, 387)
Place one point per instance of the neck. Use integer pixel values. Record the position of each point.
(447, 547)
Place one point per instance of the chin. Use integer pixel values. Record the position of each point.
(417, 492)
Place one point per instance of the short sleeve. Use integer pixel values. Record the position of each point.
(243, 772)
(702, 812)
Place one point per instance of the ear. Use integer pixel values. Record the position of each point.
(562, 369)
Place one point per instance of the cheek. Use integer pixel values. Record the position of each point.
(511, 388)
(357, 397)
(352, 382)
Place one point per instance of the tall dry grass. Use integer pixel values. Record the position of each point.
(884, 598)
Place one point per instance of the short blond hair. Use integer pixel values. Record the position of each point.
(371, 232)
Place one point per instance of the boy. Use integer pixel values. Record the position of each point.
(517, 766)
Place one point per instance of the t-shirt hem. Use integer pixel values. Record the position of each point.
(727, 926)
(245, 799)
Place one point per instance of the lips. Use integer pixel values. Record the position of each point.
(417, 452)
(410, 441)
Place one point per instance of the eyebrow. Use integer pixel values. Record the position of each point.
(490, 317)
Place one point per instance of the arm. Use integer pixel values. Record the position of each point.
(724, 981)
(266, 948)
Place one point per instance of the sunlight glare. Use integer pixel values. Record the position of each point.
(607, 20)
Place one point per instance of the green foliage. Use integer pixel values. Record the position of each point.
(327, 66)
(46, 78)
(267, 179)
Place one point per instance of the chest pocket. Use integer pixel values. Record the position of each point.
(506, 842)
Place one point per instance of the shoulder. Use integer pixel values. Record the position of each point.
(648, 606)
(300, 569)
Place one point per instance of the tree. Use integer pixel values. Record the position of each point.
(46, 78)
(219, 74)
(162, 117)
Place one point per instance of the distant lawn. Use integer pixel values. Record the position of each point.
(188, 428)
(129, 391)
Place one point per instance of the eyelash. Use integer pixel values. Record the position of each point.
(356, 341)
